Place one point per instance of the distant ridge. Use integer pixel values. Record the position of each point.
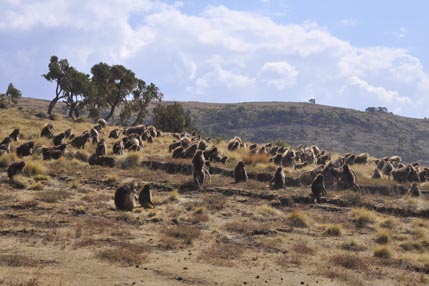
(332, 128)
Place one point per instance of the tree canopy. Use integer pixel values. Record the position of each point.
(12, 95)
(172, 118)
(108, 87)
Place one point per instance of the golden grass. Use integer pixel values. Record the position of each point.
(131, 160)
(20, 182)
(268, 211)
(32, 168)
(350, 261)
(332, 229)
(383, 236)
(384, 252)
(362, 217)
(124, 255)
(299, 219)
(7, 159)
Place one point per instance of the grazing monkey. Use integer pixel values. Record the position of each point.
(118, 148)
(102, 122)
(124, 197)
(376, 174)
(414, 190)
(48, 131)
(58, 139)
(15, 168)
(25, 149)
(15, 135)
(278, 180)
(115, 133)
(101, 148)
(318, 187)
(240, 173)
(198, 162)
(145, 197)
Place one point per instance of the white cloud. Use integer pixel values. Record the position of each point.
(219, 55)
(280, 75)
(384, 95)
(402, 33)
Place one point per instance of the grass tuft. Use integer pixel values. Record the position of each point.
(384, 252)
(362, 217)
(299, 219)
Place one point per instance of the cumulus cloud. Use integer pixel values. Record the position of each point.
(220, 54)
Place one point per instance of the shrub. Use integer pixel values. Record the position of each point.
(362, 217)
(299, 219)
(131, 160)
(383, 252)
(34, 168)
(332, 229)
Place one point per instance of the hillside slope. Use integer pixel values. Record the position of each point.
(332, 128)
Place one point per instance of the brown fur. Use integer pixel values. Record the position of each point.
(25, 149)
(278, 180)
(414, 190)
(48, 131)
(198, 163)
(125, 197)
(145, 197)
(240, 173)
(318, 187)
(118, 148)
(376, 174)
(58, 139)
(15, 135)
(115, 133)
(80, 141)
(101, 149)
(15, 168)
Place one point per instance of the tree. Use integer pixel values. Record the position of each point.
(101, 87)
(143, 95)
(172, 118)
(12, 95)
(77, 92)
(122, 82)
(59, 71)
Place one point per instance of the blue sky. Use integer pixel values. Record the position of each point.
(352, 54)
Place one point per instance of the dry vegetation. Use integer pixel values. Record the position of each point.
(58, 224)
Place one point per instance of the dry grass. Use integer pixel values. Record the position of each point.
(17, 260)
(362, 217)
(332, 229)
(383, 236)
(222, 254)
(174, 195)
(353, 246)
(7, 159)
(384, 252)
(268, 211)
(124, 255)
(299, 219)
(254, 159)
(53, 196)
(34, 168)
(349, 261)
(36, 186)
(131, 160)
(249, 227)
(214, 202)
(185, 234)
(20, 182)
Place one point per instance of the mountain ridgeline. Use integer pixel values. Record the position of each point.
(332, 128)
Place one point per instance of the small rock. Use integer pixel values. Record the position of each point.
(178, 278)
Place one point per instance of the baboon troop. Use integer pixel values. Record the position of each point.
(278, 180)
(15, 168)
(48, 131)
(80, 141)
(58, 139)
(25, 149)
(376, 174)
(145, 197)
(240, 173)
(125, 197)
(115, 133)
(318, 187)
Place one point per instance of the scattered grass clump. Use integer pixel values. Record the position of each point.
(34, 168)
(19, 182)
(269, 211)
(17, 260)
(222, 254)
(352, 246)
(7, 159)
(253, 159)
(123, 255)
(131, 160)
(384, 252)
(303, 248)
(41, 177)
(174, 195)
(36, 186)
(186, 234)
(349, 261)
(413, 245)
(383, 236)
(332, 229)
(299, 219)
(362, 217)
(81, 155)
(53, 196)
(214, 202)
